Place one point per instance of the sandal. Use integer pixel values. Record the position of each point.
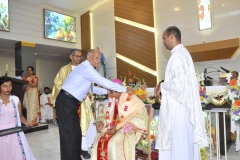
(85, 155)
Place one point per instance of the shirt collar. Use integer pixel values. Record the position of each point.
(88, 63)
(176, 48)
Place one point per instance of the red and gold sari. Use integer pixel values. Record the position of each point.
(31, 101)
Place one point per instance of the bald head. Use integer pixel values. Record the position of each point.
(171, 37)
(174, 31)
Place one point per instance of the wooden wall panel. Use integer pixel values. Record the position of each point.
(122, 70)
(218, 50)
(140, 11)
(136, 44)
(85, 33)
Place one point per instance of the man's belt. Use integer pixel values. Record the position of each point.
(70, 96)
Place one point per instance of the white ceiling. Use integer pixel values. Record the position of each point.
(73, 6)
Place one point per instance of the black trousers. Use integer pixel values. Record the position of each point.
(69, 127)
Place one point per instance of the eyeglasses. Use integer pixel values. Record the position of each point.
(78, 56)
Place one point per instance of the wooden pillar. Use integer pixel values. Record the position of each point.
(85, 32)
(24, 57)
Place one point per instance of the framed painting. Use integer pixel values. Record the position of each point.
(204, 14)
(4, 16)
(59, 26)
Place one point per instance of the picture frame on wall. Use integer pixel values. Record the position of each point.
(4, 16)
(58, 26)
(204, 14)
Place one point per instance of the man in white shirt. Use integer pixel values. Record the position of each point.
(181, 124)
(76, 57)
(46, 106)
(75, 88)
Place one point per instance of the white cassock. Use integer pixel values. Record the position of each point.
(181, 125)
(91, 132)
(46, 110)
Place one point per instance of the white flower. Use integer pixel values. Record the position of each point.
(238, 81)
(232, 96)
(229, 76)
(200, 77)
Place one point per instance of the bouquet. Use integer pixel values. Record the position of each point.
(140, 89)
(236, 111)
(233, 90)
(204, 98)
(233, 94)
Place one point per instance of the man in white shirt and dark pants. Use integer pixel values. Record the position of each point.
(74, 90)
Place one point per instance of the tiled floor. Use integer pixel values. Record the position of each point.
(45, 145)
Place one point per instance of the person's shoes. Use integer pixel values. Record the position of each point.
(85, 154)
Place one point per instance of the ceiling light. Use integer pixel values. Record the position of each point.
(176, 9)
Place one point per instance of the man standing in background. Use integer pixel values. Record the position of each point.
(46, 106)
(75, 56)
(102, 64)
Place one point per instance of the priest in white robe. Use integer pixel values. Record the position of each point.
(181, 124)
(46, 106)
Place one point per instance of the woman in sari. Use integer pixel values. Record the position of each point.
(13, 146)
(31, 96)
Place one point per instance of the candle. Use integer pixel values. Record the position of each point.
(6, 67)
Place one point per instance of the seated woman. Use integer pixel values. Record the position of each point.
(31, 96)
(13, 146)
(120, 124)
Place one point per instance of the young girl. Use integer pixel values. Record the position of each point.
(13, 146)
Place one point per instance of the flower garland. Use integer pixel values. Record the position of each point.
(109, 111)
(151, 100)
(231, 94)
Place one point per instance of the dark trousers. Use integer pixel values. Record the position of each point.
(69, 127)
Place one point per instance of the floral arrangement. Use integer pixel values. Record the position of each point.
(233, 88)
(236, 111)
(140, 89)
(131, 78)
(233, 94)
(203, 154)
(200, 78)
(204, 98)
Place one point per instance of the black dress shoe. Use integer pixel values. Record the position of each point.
(85, 154)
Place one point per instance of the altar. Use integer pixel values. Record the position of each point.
(217, 120)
